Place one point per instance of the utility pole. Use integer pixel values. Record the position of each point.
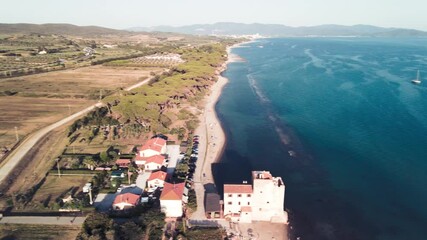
(57, 166)
(16, 133)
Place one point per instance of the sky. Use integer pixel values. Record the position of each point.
(142, 13)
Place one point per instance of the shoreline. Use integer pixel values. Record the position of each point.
(212, 138)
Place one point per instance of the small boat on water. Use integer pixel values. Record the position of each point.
(417, 81)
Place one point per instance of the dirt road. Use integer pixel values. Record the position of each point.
(15, 157)
(44, 220)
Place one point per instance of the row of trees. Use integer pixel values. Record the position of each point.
(147, 223)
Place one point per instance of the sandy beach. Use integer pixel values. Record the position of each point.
(211, 140)
(211, 146)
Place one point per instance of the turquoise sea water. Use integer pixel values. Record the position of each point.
(357, 125)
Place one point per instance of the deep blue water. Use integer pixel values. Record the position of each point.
(358, 126)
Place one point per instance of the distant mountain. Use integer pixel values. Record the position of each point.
(57, 28)
(277, 30)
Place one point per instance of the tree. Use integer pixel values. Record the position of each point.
(104, 157)
(89, 162)
(95, 226)
(129, 231)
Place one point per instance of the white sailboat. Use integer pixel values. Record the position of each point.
(417, 81)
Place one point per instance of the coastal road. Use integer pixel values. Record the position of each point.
(16, 156)
(43, 220)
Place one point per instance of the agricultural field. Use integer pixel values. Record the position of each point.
(86, 82)
(46, 232)
(24, 54)
(35, 101)
(30, 113)
(156, 60)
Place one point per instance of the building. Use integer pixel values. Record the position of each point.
(213, 208)
(152, 147)
(123, 163)
(156, 179)
(154, 163)
(171, 199)
(236, 196)
(261, 201)
(125, 201)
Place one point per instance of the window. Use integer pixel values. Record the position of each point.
(239, 203)
(268, 202)
(249, 203)
(230, 195)
(229, 203)
(239, 195)
(249, 195)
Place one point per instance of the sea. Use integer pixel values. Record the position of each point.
(340, 121)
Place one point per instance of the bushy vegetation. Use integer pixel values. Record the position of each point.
(148, 105)
(96, 117)
(148, 224)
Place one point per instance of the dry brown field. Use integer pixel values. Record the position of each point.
(34, 232)
(29, 114)
(43, 99)
(55, 186)
(83, 82)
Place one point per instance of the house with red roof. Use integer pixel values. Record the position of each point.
(171, 199)
(126, 201)
(152, 147)
(157, 179)
(123, 163)
(154, 163)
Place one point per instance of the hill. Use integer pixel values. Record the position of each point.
(277, 30)
(58, 28)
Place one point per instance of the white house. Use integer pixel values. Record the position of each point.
(125, 201)
(154, 163)
(171, 199)
(156, 179)
(152, 147)
(262, 201)
(236, 197)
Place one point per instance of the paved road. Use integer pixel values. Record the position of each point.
(16, 156)
(44, 220)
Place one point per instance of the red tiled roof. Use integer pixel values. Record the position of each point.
(155, 144)
(246, 209)
(139, 158)
(237, 188)
(172, 191)
(157, 175)
(127, 198)
(159, 159)
(122, 161)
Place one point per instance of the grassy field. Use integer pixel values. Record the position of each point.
(34, 166)
(80, 83)
(42, 99)
(29, 114)
(55, 186)
(27, 231)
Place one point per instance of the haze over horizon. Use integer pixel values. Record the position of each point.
(133, 13)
